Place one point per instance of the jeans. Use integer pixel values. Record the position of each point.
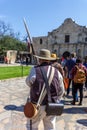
(68, 89)
(76, 94)
(86, 83)
(76, 87)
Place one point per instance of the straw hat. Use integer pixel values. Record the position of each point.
(53, 55)
(45, 55)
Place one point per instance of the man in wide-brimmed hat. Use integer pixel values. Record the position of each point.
(56, 64)
(35, 81)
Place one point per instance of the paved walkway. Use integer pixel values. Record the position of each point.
(13, 95)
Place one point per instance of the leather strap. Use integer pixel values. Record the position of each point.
(51, 75)
(43, 88)
(46, 82)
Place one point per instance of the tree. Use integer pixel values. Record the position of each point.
(10, 43)
(5, 29)
(10, 40)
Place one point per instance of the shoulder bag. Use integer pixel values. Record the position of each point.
(55, 109)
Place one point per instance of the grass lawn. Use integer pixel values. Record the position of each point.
(14, 71)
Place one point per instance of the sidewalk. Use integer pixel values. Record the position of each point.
(13, 95)
(14, 64)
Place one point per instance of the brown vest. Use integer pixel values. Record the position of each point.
(38, 84)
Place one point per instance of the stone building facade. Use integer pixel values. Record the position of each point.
(69, 37)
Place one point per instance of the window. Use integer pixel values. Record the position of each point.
(79, 52)
(86, 39)
(67, 38)
(41, 41)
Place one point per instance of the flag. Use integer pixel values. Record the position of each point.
(28, 44)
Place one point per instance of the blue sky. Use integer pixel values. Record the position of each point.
(42, 16)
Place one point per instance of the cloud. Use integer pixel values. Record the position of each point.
(2, 17)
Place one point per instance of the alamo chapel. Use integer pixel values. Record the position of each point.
(69, 37)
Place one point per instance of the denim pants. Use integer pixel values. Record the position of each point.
(68, 89)
(76, 87)
(86, 83)
(76, 94)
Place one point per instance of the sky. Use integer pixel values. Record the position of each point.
(42, 16)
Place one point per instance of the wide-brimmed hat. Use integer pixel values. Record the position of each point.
(45, 55)
(53, 55)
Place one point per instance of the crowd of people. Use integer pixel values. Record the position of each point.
(73, 64)
(71, 68)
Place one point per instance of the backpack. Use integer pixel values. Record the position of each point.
(80, 76)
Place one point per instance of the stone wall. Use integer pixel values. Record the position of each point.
(68, 37)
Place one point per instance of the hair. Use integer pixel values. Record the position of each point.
(73, 54)
(78, 60)
(85, 58)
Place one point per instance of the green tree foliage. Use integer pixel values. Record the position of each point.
(10, 40)
(10, 43)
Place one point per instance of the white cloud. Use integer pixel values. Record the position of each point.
(2, 17)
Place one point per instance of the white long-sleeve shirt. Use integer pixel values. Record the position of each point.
(32, 77)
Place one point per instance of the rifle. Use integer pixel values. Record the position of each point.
(31, 45)
(32, 52)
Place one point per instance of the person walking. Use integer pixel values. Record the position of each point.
(70, 63)
(35, 81)
(78, 73)
(85, 64)
(74, 57)
(56, 64)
